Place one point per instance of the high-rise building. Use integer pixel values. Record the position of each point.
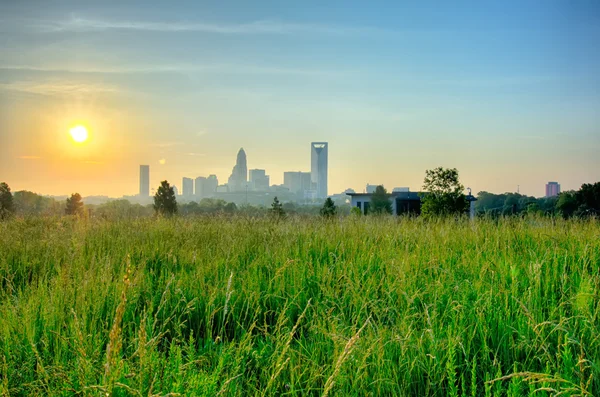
(199, 187)
(144, 180)
(210, 186)
(239, 175)
(187, 186)
(259, 180)
(297, 181)
(175, 190)
(318, 167)
(552, 189)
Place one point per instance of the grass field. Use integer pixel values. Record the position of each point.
(351, 307)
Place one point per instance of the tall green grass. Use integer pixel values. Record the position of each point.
(350, 307)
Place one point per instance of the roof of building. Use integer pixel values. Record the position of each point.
(401, 195)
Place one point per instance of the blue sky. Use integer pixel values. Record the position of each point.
(508, 93)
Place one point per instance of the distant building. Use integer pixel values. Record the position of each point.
(297, 181)
(552, 189)
(199, 183)
(402, 202)
(259, 180)
(239, 175)
(211, 185)
(318, 167)
(222, 189)
(144, 180)
(400, 190)
(371, 188)
(175, 190)
(187, 186)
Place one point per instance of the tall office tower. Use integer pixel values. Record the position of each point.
(144, 180)
(297, 181)
(210, 186)
(552, 189)
(199, 187)
(187, 186)
(259, 180)
(318, 167)
(239, 175)
(175, 190)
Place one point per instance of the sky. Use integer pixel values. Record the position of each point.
(507, 92)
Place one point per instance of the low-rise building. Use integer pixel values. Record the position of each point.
(402, 202)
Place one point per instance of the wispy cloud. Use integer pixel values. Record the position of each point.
(180, 68)
(80, 24)
(29, 157)
(196, 154)
(165, 144)
(57, 87)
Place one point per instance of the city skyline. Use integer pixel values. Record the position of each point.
(506, 93)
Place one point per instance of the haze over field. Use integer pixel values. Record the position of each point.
(509, 94)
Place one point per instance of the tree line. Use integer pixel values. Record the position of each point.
(442, 196)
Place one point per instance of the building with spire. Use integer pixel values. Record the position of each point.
(239, 175)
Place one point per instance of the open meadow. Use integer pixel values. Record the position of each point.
(353, 306)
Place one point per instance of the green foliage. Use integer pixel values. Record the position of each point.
(29, 203)
(277, 208)
(118, 209)
(380, 202)
(6, 201)
(355, 211)
(74, 205)
(444, 193)
(165, 202)
(244, 306)
(329, 209)
(588, 198)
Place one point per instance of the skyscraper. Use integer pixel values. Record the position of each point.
(259, 180)
(318, 167)
(552, 189)
(297, 181)
(199, 187)
(239, 175)
(144, 180)
(187, 186)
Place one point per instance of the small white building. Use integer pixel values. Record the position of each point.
(402, 202)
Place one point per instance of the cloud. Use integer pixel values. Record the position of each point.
(162, 161)
(196, 154)
(187, 68)
(29, 157)
(165, 144)
(57, 87)
(270, 27)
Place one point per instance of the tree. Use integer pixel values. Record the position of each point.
(588, 198)
(567, 203)
(74, 205)
(443, 193)
(6, 201)
(329, 209)
(380, 201)
(165, 202)
(277, 208)
(230, 208)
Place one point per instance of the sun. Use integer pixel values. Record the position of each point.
(79, 133)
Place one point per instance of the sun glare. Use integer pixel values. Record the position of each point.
(79, 133)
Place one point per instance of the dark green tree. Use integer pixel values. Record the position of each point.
(567, 203)
(329, 209)
(380, 202)
(443, 193)
(230, 208)
(7, 206)
(588, 198)
(165, 202)
(74, 205)
(277, 208)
